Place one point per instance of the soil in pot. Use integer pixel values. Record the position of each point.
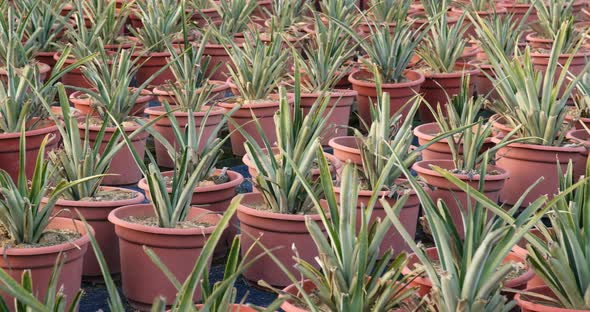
(399, 93)
(9, 147)
(455, 198)
(123, 169)
(527, 163)
(177, 248)
(438, 87)
(516, 280)
(208, 119)
(96, 210)
(264, 111)
(65, 236)
(215, 194)
(277, 232)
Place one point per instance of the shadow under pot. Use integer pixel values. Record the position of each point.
(209, 119)
(408, 215)
(399, 93)
(214, 197)
(41, 260)
(529, 162)
(123, 169)
(454, 197)
(424, 284)
(96, 213)
(177, 248)
(277, 232)
(264, 111)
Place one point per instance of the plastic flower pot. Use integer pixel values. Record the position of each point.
(96, 214)
(277, 232)
(177, 248)
(455, 198)
(41, 260)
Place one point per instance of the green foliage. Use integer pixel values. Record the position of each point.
(44, 23)
(257, 68)
(444, 44)
(536, 101)
(324, 57)
(472, 268)
(389, 11)
(235, 16)
(17, 49)
(297, 139)
(161, 19)
(561, 260)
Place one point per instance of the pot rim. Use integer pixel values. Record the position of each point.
(272, 215)
(419, 79)
(29, 133)
(464, 69)
(234, 181)
(336, 143)
(139, 198)
(539, 147)
(145, 96)
(126, 128)
(220, 85)
(424, 168)
(82, 240)
(161, 110)
(117, 221)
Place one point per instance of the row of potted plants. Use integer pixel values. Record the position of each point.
(280, 126)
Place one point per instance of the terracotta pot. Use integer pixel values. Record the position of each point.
(203, 17)
(527, 163)
(277, 232)
(263, 7)
(582, 137)
(338, 121)
(439, 150)
(150, 64)
(576, 67)
(74, 77)
(215, 198)
(470, 29)
(96, 213)
(178, 249)
(235, 308)
(484, 85)
(346, 149)
(46, 58)
(40, 260)
(424, 284)
(84, 103)
(519, 10)
(528, 305)
(218, 92)
(242, 117)
(164, 127)
(437, 86)
(218, 55)
(456, 199)
(520, 250)
(408, 216)
(399, 93)
(500, 127)
(288, 306)
(44, 70)
(335, 166)
(123, 168)
(10, 152)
